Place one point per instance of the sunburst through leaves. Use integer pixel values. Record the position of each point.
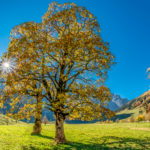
(7, 65)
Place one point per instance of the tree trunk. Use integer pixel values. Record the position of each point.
(37, 124)
(59, 131)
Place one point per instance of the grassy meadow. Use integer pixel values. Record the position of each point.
(129, 136)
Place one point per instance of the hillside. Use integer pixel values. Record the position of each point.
(134, 107)
(5, 120)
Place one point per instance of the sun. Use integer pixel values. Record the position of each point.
(7, 65)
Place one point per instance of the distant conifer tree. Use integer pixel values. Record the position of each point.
(45, 120)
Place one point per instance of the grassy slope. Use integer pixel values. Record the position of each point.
(80, 137)
(127, 113)
(4, 120)
(128, 110)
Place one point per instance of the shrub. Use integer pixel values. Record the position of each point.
(108, 121)
(140, 118)
(131, 119)
(111, 121)
(140, 111)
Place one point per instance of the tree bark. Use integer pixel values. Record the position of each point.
(59, 131)
(37, 124)
(37, 127)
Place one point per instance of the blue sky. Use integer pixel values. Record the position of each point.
(125, 25)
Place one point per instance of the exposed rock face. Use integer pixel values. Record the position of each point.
(116, 102)
(141, 101)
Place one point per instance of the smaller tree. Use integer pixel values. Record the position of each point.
(45, 120)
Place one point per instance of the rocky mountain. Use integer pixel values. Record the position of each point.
(140, 101)
(117, 102)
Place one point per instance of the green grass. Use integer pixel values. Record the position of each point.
(131, 136)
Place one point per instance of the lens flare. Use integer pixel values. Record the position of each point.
(7, 65)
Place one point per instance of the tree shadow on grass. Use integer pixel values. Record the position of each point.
(105, 143)
(42, 136)
(121, 143)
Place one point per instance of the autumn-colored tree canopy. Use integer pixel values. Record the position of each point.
(64, 61)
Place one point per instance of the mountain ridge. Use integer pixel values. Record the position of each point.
(117, 102)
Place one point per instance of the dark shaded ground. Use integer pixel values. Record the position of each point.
(121, 116)
(80, 122)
